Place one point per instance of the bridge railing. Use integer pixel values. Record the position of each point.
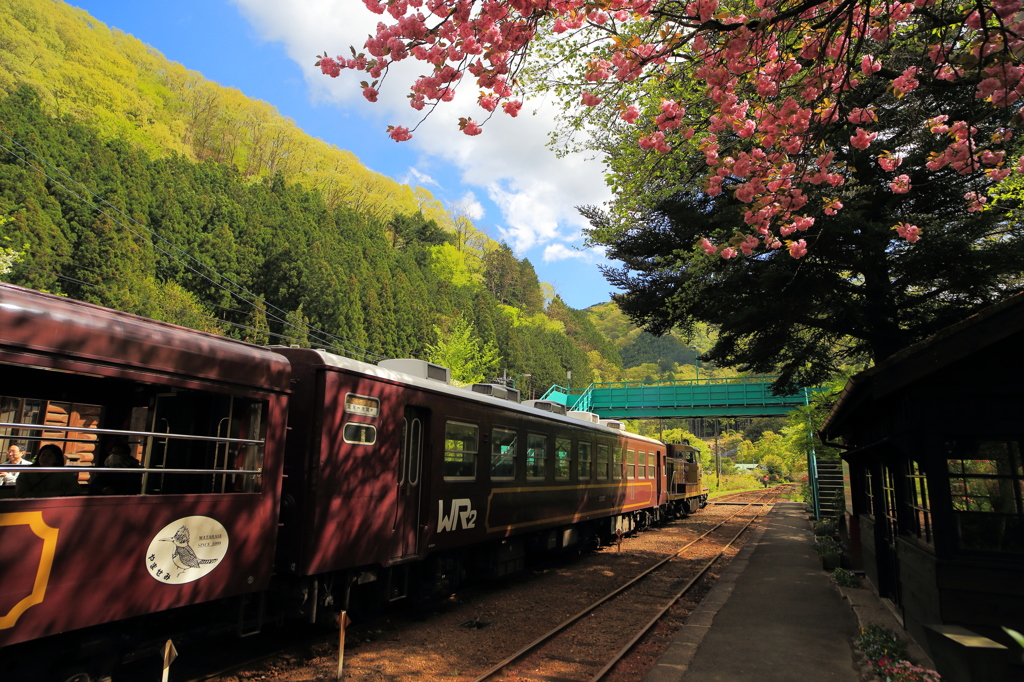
(692, 393)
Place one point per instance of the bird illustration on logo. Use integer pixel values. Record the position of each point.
(184, 557)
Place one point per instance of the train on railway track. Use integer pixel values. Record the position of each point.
(249, 484)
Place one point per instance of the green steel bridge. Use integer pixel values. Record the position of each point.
(695, 398)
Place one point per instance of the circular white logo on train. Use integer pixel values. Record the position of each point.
(187, 550)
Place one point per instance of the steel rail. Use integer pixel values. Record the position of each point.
(498, 667)
(621, 653)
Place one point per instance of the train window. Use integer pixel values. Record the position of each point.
(617, 464)
(652, 468)
(563, 458)
(584, 450)
(503, 454)
(360, 434)
(536, 456)
(461, 444)
(630, 464)
(173, 440)
(641, 465)
(602, 462)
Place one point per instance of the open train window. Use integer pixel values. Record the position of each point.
(160, 439)
(503, 454)
(584, 451)
(602, 462)
(563, 458)
(461, 445)
(536, 455)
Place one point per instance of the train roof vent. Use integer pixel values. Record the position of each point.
(546, 406)
(613, 424)
(584, 416)
(497, 391)
(418, 368)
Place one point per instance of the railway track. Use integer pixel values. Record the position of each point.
(690, 549)
(633, 609)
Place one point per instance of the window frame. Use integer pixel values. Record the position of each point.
(532, 462)
(515, 452)
(461, 477)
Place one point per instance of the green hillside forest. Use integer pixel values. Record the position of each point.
(128, 181)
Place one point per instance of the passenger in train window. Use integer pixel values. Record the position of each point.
(117, 482)
(15, 457)
(48, 484)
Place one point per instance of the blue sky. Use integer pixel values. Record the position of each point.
(512, 186)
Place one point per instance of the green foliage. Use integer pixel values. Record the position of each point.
(845, 578)
(862, 293)
(826, 545)
(879, 643)
(460, 349)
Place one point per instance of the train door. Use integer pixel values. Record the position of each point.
(410, 463)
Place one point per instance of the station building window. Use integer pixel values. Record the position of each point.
(602, 462)
(461, 444)
(536, 455)
(917, 499)
(985, 484)
(563, 458)
(503, 454)
(584, 452)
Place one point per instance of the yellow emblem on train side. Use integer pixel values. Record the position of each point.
(34, 520)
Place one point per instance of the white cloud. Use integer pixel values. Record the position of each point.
(469, 206)
(559, 252)
(416, 177)
(509, 163)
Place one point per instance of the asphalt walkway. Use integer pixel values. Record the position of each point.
(773, 616)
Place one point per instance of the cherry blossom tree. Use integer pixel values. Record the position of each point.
(757, 86)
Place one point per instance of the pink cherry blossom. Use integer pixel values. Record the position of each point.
(889, 163)
(630, 114)
(709, 248)
(798, 249)
(909, 232)
(863, 139)
(774, 86)
(399, 134)
(901, 185)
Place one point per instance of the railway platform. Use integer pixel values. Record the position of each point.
(774, 616)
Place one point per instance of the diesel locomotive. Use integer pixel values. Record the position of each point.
(269, 482)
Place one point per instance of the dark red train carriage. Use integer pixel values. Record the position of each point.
(203, 420)
(400, 483)
(373, 483)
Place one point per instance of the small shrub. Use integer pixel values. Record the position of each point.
(880, 643)
(826, 545)
(845, 578)
(826, 527)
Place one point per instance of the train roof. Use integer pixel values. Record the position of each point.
(341, 362)
(53, 325)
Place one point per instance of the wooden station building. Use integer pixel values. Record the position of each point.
(932, 441)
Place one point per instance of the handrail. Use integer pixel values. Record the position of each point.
(86, 429)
